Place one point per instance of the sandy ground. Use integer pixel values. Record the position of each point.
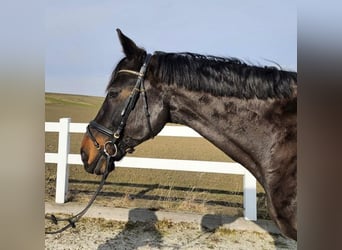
(143, 229)
(118, 235)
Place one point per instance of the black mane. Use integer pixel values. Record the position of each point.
(223, 76)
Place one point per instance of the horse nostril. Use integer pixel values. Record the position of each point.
(84, 156)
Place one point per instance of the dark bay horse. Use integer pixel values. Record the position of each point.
(247, 111)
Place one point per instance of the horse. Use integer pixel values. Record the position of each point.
(247, 111)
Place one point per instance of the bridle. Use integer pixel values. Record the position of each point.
(114, 137)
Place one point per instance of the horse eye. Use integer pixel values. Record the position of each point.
(113, 94)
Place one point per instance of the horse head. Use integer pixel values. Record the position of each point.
(131, 113)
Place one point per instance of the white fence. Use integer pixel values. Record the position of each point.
(63, 158)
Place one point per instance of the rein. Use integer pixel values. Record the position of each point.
(138, 89)
(73, 219)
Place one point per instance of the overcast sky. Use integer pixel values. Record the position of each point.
(82, 47)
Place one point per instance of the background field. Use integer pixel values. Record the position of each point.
(157, 189)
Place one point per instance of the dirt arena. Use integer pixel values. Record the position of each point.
(143, 230)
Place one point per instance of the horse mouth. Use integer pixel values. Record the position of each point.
(99, 165)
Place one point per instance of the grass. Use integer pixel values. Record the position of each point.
(157, 189)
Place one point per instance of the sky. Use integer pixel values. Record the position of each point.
(82, 47)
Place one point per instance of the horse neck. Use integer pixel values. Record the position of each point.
(246, 130)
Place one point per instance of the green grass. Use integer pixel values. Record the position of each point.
(159, 189)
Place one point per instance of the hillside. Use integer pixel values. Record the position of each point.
(80, 108)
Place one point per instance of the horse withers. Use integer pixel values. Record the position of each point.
(249, 112)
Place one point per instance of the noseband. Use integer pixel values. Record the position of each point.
(114, 136)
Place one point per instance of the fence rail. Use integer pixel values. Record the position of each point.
(64, 127)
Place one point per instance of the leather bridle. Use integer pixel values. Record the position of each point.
(114, 136)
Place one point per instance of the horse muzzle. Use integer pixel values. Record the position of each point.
(99, 165)
(105, 158)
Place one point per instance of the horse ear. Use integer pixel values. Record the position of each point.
(130, 49)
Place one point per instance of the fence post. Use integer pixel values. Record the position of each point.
(62, 164)
(249, 196)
